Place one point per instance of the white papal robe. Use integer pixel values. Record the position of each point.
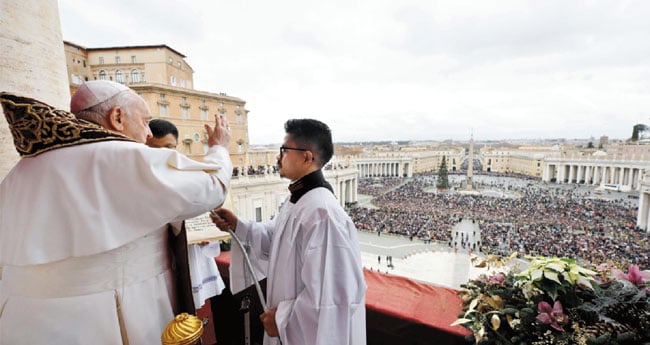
(315, 276)
(83, 240)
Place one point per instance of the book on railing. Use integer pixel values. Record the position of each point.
(200, 229)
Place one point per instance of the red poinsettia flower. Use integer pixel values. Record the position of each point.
(552, 316)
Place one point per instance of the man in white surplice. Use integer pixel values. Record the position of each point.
(84, 252)
(315, 287)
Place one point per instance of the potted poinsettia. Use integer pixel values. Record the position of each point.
(557, 301)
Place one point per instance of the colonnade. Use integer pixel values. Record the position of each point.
(258, 197)
(595, 172)
(345, 183)
(378, 167)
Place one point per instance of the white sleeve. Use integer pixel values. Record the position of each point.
(256, 238)
(120, 190)
(187, 183)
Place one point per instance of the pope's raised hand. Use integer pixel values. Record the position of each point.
(220, 133)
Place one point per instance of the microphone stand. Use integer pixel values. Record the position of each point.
(249, 265)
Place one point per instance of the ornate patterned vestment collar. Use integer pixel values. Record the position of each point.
(37, 127)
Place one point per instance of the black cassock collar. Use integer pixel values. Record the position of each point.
(307, 183)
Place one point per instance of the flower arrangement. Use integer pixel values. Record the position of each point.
(556, 301)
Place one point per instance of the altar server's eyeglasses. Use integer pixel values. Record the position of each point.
(284, 149)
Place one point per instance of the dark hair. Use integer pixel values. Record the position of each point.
(160, 128)
(313, 133)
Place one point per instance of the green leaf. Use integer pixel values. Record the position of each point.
(552, 291)
(569, 261)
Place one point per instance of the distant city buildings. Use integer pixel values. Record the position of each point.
(163, 78)
(618, 163)
(405, 160)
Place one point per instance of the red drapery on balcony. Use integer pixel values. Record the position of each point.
(403, 311)
(400, 308)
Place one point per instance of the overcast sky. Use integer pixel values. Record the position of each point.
(401, 70)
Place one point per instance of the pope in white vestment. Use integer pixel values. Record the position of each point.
(83, 232)
(309, 252)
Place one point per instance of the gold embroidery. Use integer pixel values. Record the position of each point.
(37, 127)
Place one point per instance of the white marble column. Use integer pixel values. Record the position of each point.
(620, 175)
(637, 179)
(578, 173)
(32, 61)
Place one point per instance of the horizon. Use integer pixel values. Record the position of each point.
(412, 70)
(504, 141)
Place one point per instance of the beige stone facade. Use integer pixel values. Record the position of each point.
(406, 161)
(636, 151)
(156, 64)
(425, 161)
(263, 156)
(163, 78)
(523, 160)
(190, 110)
(77, 65)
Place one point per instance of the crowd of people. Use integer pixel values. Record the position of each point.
(532, 218)
(250, 170)
(272, 169)
(377, 186)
